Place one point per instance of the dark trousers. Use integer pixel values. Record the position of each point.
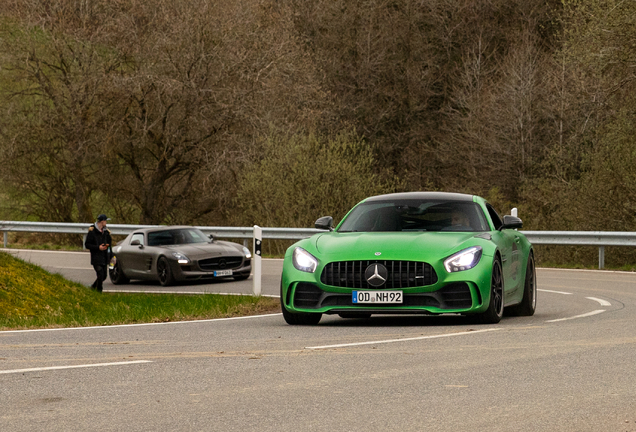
(100, 271)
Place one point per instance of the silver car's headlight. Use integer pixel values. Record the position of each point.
(181, 258)
(463, 260)
(304, 261)
(247, 253)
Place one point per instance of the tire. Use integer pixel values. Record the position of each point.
(529, 301)
(298, 318)
(354, 315)
(164, 272)
(241, 277)
(496, 305)
(117, 276)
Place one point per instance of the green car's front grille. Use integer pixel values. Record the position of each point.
(401, 274)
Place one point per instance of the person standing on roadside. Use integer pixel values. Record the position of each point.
(98, 241)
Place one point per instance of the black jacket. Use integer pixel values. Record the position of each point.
(93, 240)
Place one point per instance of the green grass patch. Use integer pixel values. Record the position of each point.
(31, 297)
(579, 266)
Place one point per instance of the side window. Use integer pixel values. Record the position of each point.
(138, 236)
(496, 220)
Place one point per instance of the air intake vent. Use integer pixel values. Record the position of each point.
(221, 263)
(307, 295)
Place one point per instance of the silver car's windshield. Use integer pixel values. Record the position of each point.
(415, 215)
(176, 237)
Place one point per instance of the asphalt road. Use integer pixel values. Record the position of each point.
(570, 367)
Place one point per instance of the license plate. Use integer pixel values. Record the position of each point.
(223, 273)
(358, 297)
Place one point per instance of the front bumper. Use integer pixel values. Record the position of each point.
(192, 272)
(461, 292)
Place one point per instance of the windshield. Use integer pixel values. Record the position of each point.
(415, 215)
(176, 237)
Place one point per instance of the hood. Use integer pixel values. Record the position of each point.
(412, 246)
(205, 250)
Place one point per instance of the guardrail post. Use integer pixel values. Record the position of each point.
(6, 238)
(256, 260)
(601, 257)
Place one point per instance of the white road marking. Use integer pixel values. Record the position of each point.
(401, 340)
(554, 292)
(139, 325)
(596, 312)
(601, 301)
(73, 367)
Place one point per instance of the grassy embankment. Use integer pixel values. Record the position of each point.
(30, 297)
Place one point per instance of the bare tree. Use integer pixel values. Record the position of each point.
(56, 101)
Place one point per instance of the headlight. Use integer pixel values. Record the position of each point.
(181, 258)
(463, 260)
(304, 261)
(247, 252)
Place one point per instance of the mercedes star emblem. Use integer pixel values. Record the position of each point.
(376, 275)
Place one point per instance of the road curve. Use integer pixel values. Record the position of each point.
(570, 367)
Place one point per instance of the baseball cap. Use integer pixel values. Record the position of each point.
(102, 217)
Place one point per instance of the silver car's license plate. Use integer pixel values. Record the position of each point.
(358, 297)
(223, 273)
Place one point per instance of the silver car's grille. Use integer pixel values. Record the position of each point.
(401, 274)
(221, 263)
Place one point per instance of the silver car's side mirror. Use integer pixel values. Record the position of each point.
(211, 236)
(137, 243)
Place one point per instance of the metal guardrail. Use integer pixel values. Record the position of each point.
(119, 229)
(601, 239)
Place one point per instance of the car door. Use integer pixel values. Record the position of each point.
(508, 242)
(134, 260)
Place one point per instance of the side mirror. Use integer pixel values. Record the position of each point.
(325, 222)
(511, 222)
(211, 236)
(137, 243)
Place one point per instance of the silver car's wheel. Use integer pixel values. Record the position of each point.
(117, 276)
(164, 272)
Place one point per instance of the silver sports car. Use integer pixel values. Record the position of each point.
(176, 253)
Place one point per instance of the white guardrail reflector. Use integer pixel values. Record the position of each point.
(257, 261)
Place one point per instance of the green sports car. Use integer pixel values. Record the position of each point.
(415, 252)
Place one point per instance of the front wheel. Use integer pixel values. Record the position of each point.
(299, 318)
(529, 302)
(164, 272)
(496, 306)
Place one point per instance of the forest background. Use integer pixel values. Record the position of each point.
(277, 112)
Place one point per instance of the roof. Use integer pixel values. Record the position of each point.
(163, 228)
(444, 196)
